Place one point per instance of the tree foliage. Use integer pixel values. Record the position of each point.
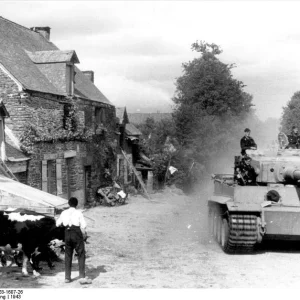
(208, 85)
(211, 105)
(291, 113)
(160, 144)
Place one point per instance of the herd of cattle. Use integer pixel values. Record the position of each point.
(29, 236)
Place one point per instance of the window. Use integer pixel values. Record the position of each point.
(70, 79)
(100, 115)
(51, 177)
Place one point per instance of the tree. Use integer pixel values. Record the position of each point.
(291, 113)
(210, 105)
(208, 85)
(159, 143)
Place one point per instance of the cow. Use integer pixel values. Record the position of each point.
(31, 233)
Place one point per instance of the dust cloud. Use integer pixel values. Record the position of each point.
(265, 135)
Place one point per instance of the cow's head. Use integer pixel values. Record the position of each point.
(8, 254)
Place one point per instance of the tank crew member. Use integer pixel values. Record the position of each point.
(247, 142)
(245, 173)
(294, 139)
(283, 140)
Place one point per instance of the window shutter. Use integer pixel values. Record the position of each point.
(58, 177)
(44, 176)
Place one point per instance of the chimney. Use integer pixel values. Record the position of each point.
(89, 75)
(44, 31)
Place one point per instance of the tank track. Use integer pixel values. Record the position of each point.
(236, 233)
(242, 235)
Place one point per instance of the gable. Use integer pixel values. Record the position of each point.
(121, 114)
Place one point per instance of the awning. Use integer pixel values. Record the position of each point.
(141, 167)
(16, 194)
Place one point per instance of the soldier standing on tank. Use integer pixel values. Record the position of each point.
(294, 139)
(245, 173)
(247, 142)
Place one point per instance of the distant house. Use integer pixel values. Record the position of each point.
(129, 142)
(59, 122)
(139, 118)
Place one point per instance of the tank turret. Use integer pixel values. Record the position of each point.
(282, 166)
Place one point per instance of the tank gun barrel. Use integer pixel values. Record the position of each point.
(291, 174)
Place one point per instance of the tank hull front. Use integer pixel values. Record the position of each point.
(282, 222)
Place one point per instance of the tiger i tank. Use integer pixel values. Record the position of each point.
(242, 216)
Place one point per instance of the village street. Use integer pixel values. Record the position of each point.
(163, 243)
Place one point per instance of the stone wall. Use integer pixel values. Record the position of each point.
(74, 172)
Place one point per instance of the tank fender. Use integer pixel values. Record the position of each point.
(243, 207)
(220, 199)
(251, 208)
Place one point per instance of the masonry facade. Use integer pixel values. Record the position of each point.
(61, 130)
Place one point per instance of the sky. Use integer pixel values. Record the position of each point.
(136, 49)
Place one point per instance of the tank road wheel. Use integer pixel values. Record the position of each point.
(219, 229)
(215, 229)
(224, 234)
(211, 219)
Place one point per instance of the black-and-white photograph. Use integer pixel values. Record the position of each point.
(149, 145)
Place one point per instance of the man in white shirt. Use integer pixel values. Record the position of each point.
(75, 226)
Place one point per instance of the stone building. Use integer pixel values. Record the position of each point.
(61, 130)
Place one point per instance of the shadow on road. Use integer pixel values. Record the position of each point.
(11, 277)
(94, 272)
(279, 246)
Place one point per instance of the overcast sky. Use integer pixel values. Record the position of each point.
(136, 48)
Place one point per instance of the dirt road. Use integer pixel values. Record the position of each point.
(164, 244)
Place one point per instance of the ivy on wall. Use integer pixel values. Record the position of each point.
(46, 126)
(104, 151)
(51, 126)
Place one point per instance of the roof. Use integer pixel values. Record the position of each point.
(130, 130)
(20, 47)
(87, 88)
(53, 56)
(14, 154)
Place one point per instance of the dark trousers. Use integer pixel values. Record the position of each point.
(74, 240)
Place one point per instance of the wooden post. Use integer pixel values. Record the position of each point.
(5, 169)
(136, 174)
(169, 163)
